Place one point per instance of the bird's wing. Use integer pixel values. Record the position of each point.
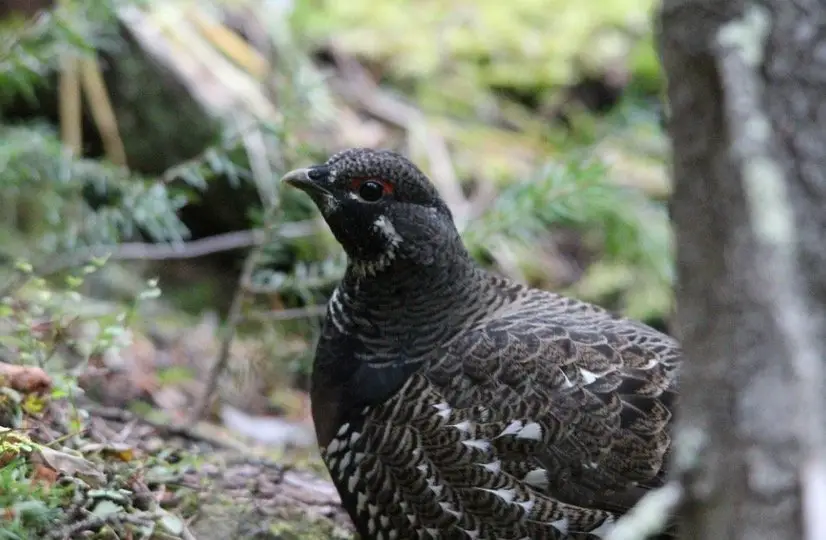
(588, 401)
(533, 424)
(528, 425)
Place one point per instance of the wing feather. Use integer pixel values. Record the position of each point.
(531, 425)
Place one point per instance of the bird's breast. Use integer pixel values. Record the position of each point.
(419, 466)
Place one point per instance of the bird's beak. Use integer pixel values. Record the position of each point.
(301, 179)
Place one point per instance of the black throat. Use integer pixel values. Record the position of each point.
(382, 328)
(408, 305)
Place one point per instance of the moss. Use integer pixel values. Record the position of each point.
(225, 517)
(527, 44)
(309, 529)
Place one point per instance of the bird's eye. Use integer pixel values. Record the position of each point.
(371, 191)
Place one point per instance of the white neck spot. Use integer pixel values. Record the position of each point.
(383, 226)
(386, 228)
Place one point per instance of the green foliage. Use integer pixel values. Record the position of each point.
(52, 325)
(30, 50)
(28, 508)
(55, 201)
(54, 193)
(645, 65)
(304, 277)
(621, 223)
(576, 194)
(453, 53)
(453, 58)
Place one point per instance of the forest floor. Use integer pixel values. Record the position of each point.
(74, 468)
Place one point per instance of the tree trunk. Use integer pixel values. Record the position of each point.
(746, 89)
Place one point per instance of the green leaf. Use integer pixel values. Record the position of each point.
(106, 508)
(172, 523)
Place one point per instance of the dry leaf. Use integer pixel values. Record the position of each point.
(72, 466)
(25, 379)
(6, 457)
(125, 454)
(44, 475)
(121, 451)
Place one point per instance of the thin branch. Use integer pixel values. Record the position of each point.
(234, 317)
(288, 314)
(213, 244)
(155, 252)
(188, 250)
(257, 154)
(230, 43)
(103, 113)
(650, 515)
(198, 432)
(71, 133)
(307, 282)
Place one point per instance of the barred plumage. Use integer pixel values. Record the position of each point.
(451, 403)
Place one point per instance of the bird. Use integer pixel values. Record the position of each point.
(450, 402)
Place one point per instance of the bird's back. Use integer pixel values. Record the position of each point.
(544, 417)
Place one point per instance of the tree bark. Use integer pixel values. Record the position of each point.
(746, 87)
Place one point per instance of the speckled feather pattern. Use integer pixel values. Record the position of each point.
(526, 424)
(450, 403)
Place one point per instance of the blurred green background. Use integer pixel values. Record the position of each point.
(143, 231)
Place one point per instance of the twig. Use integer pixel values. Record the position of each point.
(233, 319)
(102, 111)
(155, 252)
(288, 314)
(442, 170)
(259, 156)
(257, 153)
(192, 432)
(187, 534)
(70, 104)
(230, 43)
(94, 522)
(70, 530)
(314, 282)
(212, 244)
(113, 413)
(650, 515)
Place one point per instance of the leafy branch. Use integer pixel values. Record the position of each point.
(31, 49)
(578, 194)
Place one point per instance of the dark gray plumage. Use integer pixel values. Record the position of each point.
(450, 403)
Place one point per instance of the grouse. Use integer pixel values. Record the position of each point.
(452, 403)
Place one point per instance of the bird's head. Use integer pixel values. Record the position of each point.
(380, 207)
